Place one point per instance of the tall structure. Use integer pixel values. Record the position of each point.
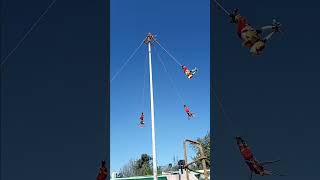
(149, 39)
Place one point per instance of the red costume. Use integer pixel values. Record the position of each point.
(102, 171)
(184, 69)
(241, 24)
(246, 153)
(102, 174)
(244, 149)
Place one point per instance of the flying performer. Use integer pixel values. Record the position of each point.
(187, 72)
(251, 37)
(142, 119)
(189, 113)
(102, 171)
(254, 165)
(244, 149)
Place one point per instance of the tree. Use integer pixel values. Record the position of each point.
(128, 169)
(139, 167)
(205, 143)
(143, 165)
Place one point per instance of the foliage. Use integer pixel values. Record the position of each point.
(139, 167)
(128, 170)
(143, 165)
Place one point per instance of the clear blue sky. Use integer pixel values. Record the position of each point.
(53, 92)
(184, 29)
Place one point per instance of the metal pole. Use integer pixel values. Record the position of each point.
(154, 156)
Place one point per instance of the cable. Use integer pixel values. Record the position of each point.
(28, 32)
(222, 7)
(144, 82)
(171, 81)
(169, 54)
(225, 114)
(127, 61)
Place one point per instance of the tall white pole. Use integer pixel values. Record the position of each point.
(154, 156)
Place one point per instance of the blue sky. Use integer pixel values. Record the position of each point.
(184, 30)
(53, 92)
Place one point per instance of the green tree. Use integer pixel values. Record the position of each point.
(139, 167)
(143, 165)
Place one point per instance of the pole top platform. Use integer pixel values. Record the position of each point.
(150, 38)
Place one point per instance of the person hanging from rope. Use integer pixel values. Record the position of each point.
(252, 37)
(102, 171)
(189, 113)
(187, 72)
(254, 165)
(244, 149)
(142, 119)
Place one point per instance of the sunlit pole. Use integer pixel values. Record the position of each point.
(149, 40)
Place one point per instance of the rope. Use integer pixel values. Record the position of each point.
(27, 33)
(127, 61)
(229, 119)
(222, 7)
(169, 54)
(225, 114)
(144, 81)
(171, 81)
